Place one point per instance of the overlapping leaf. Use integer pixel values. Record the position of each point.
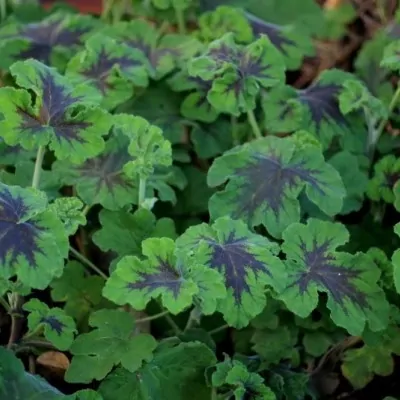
(79, 292)
(386, 175)
(314, 265)
(266, 177)
(238, 73)
(391, 56)
(111, 67)
(164, 53)
(33, 241)
(101, 180)
(113, 342)
(232, 376)
(59, 328)
(245, 260)
(49, 110)
(176, 372)
(161, 274)
(123, 232)
(315, 109)
(52, 40)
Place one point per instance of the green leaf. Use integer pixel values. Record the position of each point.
(101, 180)
(163, 52)
(48, 110)
(147, 145)
(396, 262)
(245, 260)
(317, 343)
(124, 232)
(175, 373)
(386, 175)
(85, 394)
(111, 67)
(136, 281)
(79, 292)
(15, 383)
(113, 342)
(266, 177)
(59, 328)
(69, 211)
(360, 365)
(238, 73)
(314, 265)
(33, 241)
(391, 56)
(232, 375)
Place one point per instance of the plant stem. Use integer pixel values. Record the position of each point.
(142, 191)
(15, 318)
(375, 134)
(253, 123)
(173, 324)
(219, 329)
(153, 317)
(86, 209)
(5, 305)
(38, 167)
(234, 126)
(87, 262)
(180, 18)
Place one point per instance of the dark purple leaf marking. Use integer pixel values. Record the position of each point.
(233, 259)
(267, 179)
(203, 87)
(274, 32)
(53, 112)
(101, 70)
(322, 102)
(54, 323)
(322, 269)
(16, 238)
(165, 277)
(106, 169)
(44, 36)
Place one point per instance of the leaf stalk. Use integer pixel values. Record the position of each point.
(87, 262)
(253, 123)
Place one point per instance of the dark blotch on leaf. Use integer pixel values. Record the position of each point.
(55, 324)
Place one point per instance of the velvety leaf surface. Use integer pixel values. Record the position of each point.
(101, 180)
(123, 232)
(59, 328)
(238, 73)
(79, 292)
(15, 383)
(49, 110)
(136, 281)
(111, 67)
(163, 53)
(234, 375)
(245, 260)
(51, 40)
(33, 241)
(314, 265)
(174, 373)
(266, 177)
(111, 343)
(315, 109)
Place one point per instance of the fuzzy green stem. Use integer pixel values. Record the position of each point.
(234, 127)
(253, 123)
(38, 167)
(153, 317)
(173, 324)
(87, 262)
(37, 332)
(180, 18)
(142, 191)
(86, 209)
(391, 107)
(5, 305)
(219, 329)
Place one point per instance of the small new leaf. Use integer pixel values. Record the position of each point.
(266, 177)
(113, 342)
(48, 110)
(59, 328)
(391, 56)
(136, 281)
(314, 265)
(33, 241)
(238, 73)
